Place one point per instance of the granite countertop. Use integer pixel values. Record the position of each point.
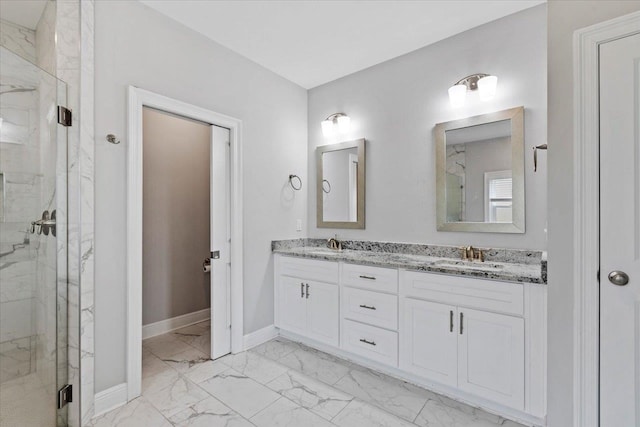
(510, 265)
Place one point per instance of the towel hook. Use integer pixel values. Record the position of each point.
(535, 155)
(112, 139)
(295, 187)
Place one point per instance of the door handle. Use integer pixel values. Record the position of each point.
(461, 322)
(301, 290)
(450, 320)
(618, 278)
(307, 291)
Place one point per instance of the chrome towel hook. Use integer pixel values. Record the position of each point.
(112, 139)
(294, 186)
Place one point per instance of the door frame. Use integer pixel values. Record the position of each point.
(586, 212)
(137, 99)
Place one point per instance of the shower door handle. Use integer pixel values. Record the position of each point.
(46, 224)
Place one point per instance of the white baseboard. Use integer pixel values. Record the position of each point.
(109, 399)
(260, 336)
(168, 325)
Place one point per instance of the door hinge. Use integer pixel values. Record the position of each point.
(65, 395)
(64, 116)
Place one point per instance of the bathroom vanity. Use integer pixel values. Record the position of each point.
(475, 331)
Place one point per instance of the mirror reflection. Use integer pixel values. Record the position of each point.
(341, 185)
(478, 173)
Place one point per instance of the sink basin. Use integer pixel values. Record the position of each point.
(321, 251)
(485, 266)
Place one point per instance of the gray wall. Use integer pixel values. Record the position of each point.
(395, 105)
(138, 46)
(176, 219)
(564, 17)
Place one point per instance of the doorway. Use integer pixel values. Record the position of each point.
(219, 212)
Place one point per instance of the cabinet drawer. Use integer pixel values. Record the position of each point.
(370, 307)
(373, 278)
(311, 269)
(370, 342)
(466, 292)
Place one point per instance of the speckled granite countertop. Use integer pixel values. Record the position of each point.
(510, 265)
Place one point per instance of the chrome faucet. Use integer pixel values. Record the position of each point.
(334, 243)
(470, 253)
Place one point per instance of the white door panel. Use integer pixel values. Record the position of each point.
(428, 340)
(491, 356)
(323, 312)
(220, 279)
(292, 303)
(620, 232)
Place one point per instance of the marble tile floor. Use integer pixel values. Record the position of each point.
(280, 383)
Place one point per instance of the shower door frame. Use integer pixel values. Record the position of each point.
(137, 99)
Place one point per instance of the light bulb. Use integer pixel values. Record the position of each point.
(327, 128)
(344, 123)
(457, 95)
(487, 87)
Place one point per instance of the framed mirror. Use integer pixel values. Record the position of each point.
(480, 173)
(340, 186)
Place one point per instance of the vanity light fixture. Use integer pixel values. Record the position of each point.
(336, 123)
(485, 84)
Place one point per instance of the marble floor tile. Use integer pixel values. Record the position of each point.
(176, 397)
(209, 412)
(165, 346)
(316, 364)
(397, 397)
(186, 359)
(276, 349)
(440, 411)
(311, 394)
(153, 365)
(200, 372)
(158, 381)
(285, 413)
(138, 412)
(254, 366)
(239, 392)
(360, 414)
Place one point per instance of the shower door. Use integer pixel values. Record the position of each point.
(33, 245)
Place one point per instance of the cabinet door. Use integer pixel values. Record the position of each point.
(323, 312)
(428, 340)
(292, 304)
(491, 356)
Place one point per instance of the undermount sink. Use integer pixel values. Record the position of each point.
(468, 265)
(321, 251)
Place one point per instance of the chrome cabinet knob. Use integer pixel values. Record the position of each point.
(618, 278)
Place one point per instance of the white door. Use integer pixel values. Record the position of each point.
(620, 232)
(220, 244)
(323, 312)
(292, 303)
(428, 340)
(491, 356)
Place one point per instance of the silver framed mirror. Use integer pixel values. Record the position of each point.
(480, 173)
(340, 185)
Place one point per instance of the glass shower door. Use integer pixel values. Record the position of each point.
(33, 245)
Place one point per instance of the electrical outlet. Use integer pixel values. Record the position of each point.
(298, 225)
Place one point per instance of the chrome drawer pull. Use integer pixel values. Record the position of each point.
(367, 307)
(368, 277)
(301, 290)
(367, 342)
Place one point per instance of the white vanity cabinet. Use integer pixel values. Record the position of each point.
(452, 333)
(307, 298)
(479, 340)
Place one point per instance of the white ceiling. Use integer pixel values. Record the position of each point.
(22, 12)
(314, 42)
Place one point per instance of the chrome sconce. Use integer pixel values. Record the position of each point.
(335, 124)
(485, 84)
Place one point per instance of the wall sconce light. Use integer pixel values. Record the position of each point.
(485, 84)
(336, 123)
